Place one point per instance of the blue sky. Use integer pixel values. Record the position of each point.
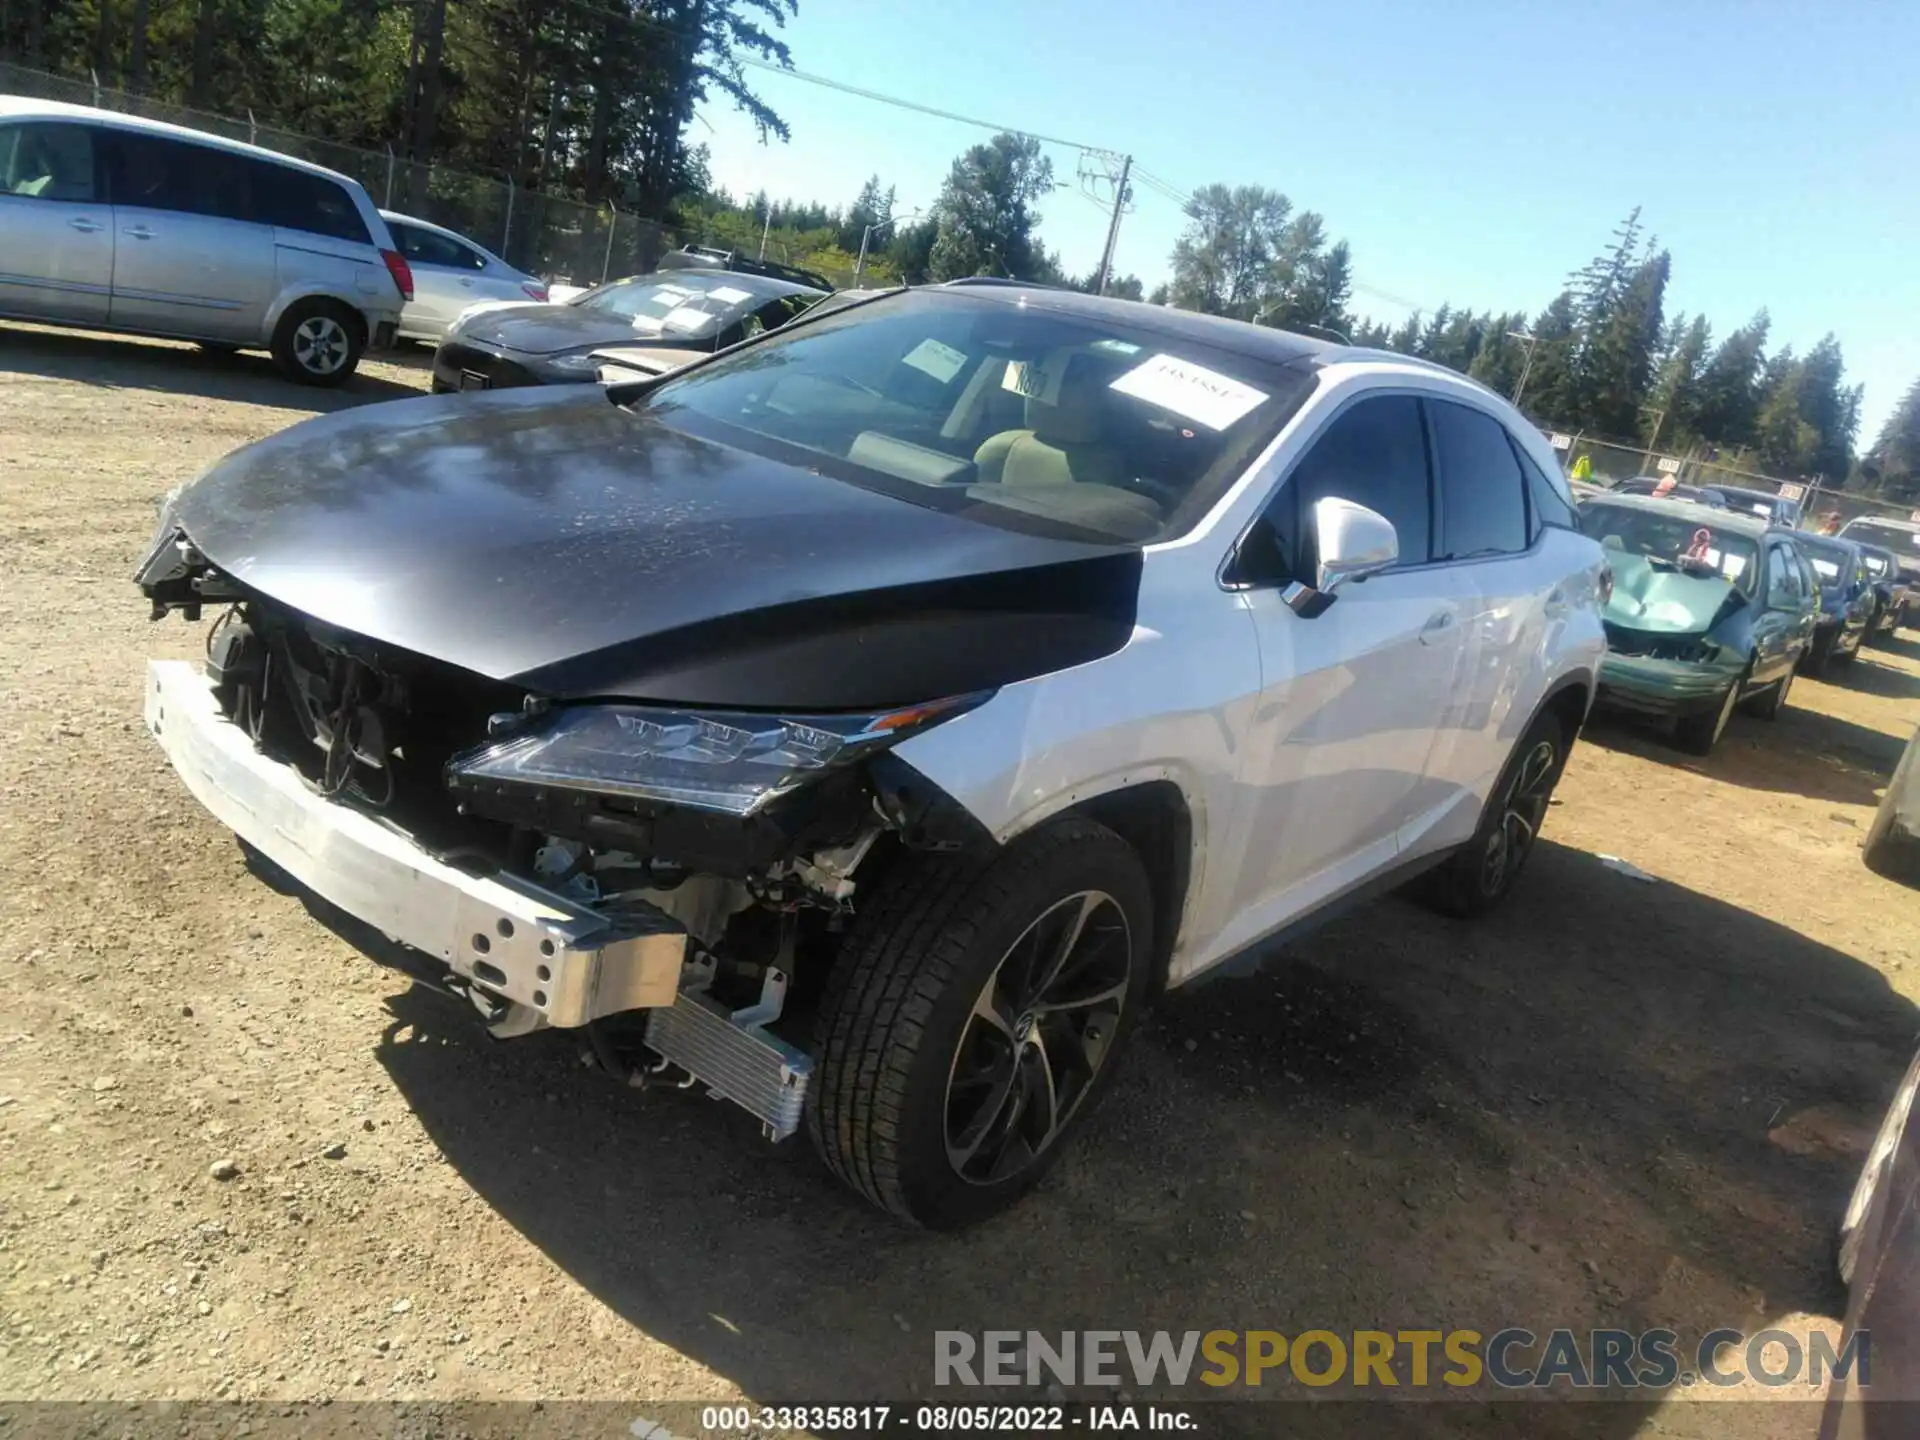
(1472, 151)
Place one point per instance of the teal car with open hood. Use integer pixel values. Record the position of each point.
(1711, 610)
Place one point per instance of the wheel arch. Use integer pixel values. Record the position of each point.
(1570, 700)
(1155, 818)
(297, 294)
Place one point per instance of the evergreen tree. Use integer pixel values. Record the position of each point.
(1895, 457)
(1728, 389)
(1675, 400)
(1616, 362)
(1551, 392)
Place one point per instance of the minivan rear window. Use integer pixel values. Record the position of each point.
(296, 200)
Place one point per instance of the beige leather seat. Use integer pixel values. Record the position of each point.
(1062, 443)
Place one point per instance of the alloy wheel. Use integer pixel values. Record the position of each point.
(1521, 813)
(320, 344)
(1037, 1037)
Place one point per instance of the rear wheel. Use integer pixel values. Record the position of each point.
(318, 342)
(973, 1019)
(1479, 875)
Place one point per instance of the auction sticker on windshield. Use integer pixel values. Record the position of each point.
(1191, 391)
(687, 317)
(930, 357)
(727, 295)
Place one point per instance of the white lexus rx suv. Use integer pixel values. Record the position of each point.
(869, 720)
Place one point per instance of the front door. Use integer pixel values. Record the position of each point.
(57, 259)
(188, 260)
(1340, 741)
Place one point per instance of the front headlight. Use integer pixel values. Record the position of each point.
(733, 763)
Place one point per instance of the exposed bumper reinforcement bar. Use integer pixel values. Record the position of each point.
(508, 937)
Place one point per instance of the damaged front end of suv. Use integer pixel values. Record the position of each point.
(604, 781)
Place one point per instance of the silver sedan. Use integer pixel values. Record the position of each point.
(450, 274)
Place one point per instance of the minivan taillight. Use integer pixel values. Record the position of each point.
(535, 292)
(401, 271)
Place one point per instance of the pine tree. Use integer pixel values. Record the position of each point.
(1675, 398)
(1550, 392)
(1729, 393)
(1895, 456)
(1598, 285)
(1616, 367)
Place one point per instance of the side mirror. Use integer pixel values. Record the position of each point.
(1352, 542)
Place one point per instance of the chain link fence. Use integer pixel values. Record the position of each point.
(1822, 507)
(557, 239)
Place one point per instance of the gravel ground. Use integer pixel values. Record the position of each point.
(1615, 1103)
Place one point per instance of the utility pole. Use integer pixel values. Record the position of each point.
(1113, 225)
(1526, 369)
(766, 229)
(1653, 441)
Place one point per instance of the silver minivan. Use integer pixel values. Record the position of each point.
(112, 222)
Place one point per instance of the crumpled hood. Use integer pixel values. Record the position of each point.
(553, 539)
(1666, 602)
(551, 329)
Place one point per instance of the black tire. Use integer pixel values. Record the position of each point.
(1846, 657)
(1698, 734)
(319, 342)
(1480, 874)
(1768, 704)
(1818, 656)
(902, 1028)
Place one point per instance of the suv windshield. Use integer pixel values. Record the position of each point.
(681, 303)
(1673, 542)
(1012, 413)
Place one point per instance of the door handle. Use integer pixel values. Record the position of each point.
(86, 226)
(138, 232)
(1436, 627)
(467, 283)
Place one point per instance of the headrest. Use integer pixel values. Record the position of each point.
(1074, 416)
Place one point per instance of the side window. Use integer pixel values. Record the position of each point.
(158, 173)
(1544, 503)
(1374, 454)
(425, 247)
(1483, 505)
(47, 162)
(294, 200)
(1783, 579)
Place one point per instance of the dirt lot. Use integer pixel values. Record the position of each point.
(1616, 1103)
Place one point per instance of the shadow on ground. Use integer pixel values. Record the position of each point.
(1613, 1103)
(1803, 752)
(249, 377)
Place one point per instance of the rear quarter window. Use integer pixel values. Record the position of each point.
(295, 200)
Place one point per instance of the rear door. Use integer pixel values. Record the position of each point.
(57, 259)
(1490, 541)
(189, 257)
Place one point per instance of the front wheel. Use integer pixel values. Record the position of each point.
(972, 1020)
(318, 342)
(1479, 875)
(1698, 734)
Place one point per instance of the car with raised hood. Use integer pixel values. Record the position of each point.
(1892, 591)
(452, 274)
(1846, 599)
(867, 721)
(1710, 609)
(118, 223)
(691, 312)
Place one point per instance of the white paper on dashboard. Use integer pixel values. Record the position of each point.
(930, 357)
(1191, 391)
